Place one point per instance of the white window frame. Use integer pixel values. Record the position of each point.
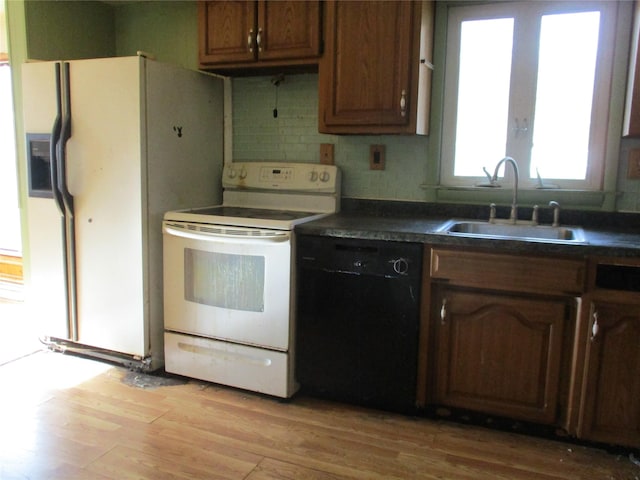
(600, 120)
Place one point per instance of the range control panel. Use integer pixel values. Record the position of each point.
(281, 176)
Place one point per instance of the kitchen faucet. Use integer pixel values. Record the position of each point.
(513, 217)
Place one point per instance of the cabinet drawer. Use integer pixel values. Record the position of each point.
(518, 273)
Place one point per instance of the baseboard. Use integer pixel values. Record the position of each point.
(11, 269)
(11, 279)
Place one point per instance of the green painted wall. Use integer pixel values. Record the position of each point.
(60, 29)
(166, 29)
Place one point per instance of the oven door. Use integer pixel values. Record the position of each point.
(228, 283)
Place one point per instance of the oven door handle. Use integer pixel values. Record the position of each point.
(264, 237)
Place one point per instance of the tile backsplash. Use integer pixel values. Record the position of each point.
(629, 190)
(293, 136)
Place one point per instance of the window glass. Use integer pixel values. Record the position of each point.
(566, 70)
(223, 280)
(483, 93)
(529, 80)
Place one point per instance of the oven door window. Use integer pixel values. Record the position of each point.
(224, 280)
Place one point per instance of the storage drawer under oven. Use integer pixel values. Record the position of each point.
(241, 366)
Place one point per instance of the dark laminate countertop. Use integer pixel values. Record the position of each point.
(607, 234)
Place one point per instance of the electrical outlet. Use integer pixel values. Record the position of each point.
(633, 171)
(326, 154)
(376, 157)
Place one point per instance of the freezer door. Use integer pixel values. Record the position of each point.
(44, 252)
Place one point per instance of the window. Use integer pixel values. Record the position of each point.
(529, 80)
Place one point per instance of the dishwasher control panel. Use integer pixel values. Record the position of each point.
(364, 257)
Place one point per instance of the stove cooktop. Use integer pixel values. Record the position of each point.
(244, 216)
(255, 213)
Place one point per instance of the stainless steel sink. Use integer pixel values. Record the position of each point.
(521, 230)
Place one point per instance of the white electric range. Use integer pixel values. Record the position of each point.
(229, 287)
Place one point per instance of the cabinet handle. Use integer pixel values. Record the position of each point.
(443, 312)
(250, 40)
(403, 103)
(595, 328)
(259, 39)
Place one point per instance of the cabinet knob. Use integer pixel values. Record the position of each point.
(595, 328)
(250, 40)
(403, 103)
(259, 39)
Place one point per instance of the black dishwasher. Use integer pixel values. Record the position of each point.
(357, 320)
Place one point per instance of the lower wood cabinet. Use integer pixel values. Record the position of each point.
(499, 354)
(606, 397)
(610, 406)
(500, 330)
(551, 340)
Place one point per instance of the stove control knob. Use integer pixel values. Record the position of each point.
(243, 173)
(232, 173)
(325, 176)
(313, 176)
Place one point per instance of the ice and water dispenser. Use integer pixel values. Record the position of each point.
(39, 165)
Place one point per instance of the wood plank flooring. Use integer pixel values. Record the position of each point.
(65, 417)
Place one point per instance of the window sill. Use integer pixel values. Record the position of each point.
(578, 199)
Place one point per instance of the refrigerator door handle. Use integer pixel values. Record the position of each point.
(69, 215)
(65, 135)
(53, 147)
(55, 189)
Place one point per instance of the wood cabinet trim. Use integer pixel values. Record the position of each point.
(517, 273)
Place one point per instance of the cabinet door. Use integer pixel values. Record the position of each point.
(368, 82)
(226, 31)
(610, 409)
(288, 29)
(499, 354)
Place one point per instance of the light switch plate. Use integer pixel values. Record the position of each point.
(326, 154)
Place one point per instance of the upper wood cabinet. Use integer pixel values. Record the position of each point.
(245, 34)
(377, 54)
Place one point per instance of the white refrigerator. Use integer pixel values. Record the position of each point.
(112, 144)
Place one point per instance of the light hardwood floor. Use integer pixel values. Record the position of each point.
(65, 417)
